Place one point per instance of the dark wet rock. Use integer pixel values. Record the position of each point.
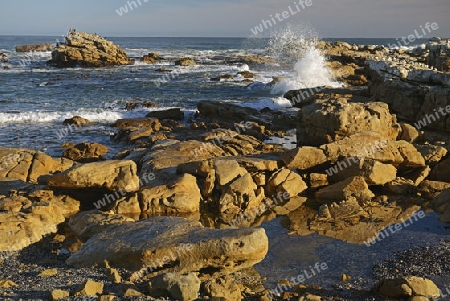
(303, 97)
(6, 186)
(175, 114)
(222, 77)
(225, 111)
(132, 105)
(432, 154)
(133, 130)
(138, 122)
(163, 70)
(432, 188)
(442, 171)
(88, 50)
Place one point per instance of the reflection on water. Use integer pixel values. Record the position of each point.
(335, 235)
(289, 253)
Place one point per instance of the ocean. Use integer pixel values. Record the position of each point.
(36, 98)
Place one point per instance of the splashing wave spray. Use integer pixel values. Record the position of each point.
(297, 46)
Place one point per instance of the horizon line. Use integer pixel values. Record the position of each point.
(206, 37)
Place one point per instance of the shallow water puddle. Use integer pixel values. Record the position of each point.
(293, 255)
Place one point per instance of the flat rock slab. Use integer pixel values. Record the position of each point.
(173, 244)
(113, 175)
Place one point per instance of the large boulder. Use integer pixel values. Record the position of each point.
(408, 287)
(226, 111)
(132, 130)
(164, 158)
(242, 193)
(29, 165)
(304, 158)
(172, 244)
(442, 171)
(174, 113)
(371, 145)
(88, 50)
(113, 175)
(336, 118)
(30, 218)
(415, 92)
(373, 172)
(180, 196)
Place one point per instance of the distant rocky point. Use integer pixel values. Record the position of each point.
(88, 50)
(35, 47)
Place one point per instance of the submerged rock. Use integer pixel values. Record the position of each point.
(185, 62)
(35, 47)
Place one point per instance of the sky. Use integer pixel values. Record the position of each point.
(224, 18)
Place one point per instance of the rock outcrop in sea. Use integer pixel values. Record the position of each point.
(88, 50)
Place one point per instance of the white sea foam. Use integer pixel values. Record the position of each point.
(271, 103)
(296, 46)
(94, 115)
(48, 117)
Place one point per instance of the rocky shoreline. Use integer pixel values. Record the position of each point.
(177, 213)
